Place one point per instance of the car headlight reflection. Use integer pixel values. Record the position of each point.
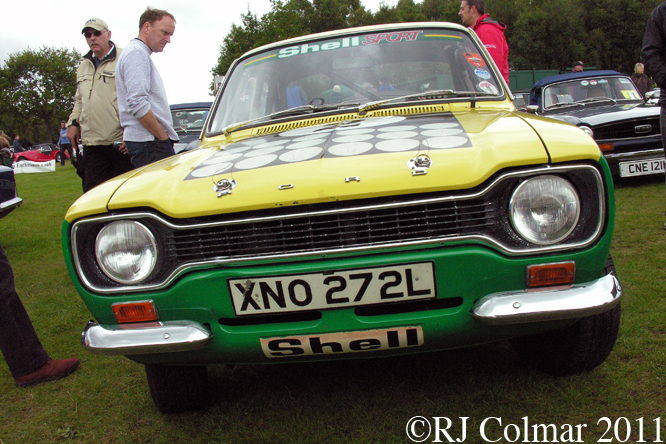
(545, 209)
(126, 251)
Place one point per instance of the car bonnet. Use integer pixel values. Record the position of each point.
(355, 159)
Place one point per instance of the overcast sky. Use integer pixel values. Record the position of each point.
(185, 64)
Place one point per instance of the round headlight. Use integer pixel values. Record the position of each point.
(126, 251)
(587, 130)
(544, 209)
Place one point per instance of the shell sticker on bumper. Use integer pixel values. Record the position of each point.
(363, 136)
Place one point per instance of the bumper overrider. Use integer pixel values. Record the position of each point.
(505, 308)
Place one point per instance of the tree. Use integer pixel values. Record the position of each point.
(239, 40)
(549, 36)
(408, 11)
(441, 10)
(37, 92)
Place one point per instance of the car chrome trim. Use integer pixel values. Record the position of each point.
(636, 155)
(480, 239)
(10, 204)
(549, 304)
(145, 338)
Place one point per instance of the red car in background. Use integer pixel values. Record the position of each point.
(40, 153)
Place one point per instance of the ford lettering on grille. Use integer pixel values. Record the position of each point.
(643, 129)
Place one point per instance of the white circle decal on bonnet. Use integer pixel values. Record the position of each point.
(350, 149)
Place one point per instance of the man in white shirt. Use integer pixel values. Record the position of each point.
(144, 108)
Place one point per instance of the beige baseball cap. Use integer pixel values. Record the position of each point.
(95, 23)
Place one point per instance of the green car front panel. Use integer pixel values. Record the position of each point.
(468, 272)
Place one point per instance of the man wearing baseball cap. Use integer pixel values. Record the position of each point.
(94, 120)
(577, 67)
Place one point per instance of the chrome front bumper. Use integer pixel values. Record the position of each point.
(139, 339)
(496, 309)
(634, 156)
(549, 304)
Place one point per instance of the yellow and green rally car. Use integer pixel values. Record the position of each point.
(358, 193)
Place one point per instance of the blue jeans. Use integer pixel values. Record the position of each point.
(143, 153)
(18, 340)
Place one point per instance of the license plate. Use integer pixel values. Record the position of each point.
(323, 290)
(642, 167)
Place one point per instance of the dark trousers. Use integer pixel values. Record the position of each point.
(662, 123)
(65, 147)
(18, 340)
(144, 153)
(101, 163)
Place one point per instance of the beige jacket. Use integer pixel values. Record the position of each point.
(96, 102)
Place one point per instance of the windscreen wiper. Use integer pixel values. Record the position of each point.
(563, 104)
(597, 99)
(424, 96)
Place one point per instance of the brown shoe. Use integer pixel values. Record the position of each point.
(48, 372)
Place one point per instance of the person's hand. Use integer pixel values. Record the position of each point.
(73, 134)
(122, 148)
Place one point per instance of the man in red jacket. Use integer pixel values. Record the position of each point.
(472, 13)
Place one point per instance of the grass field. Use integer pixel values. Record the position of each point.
(370, 401)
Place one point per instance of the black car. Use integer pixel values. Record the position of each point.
(188, 120)
(9, 199)
(607, 106)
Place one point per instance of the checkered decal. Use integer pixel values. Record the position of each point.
(350, 138)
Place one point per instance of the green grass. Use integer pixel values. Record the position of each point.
(107, 401)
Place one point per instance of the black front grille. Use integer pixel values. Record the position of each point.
(628, 130)
(331, 231)
(476, 216)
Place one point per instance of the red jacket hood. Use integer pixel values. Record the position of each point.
(487, 20)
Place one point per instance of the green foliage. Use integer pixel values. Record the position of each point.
(550, 36)
(37, 92)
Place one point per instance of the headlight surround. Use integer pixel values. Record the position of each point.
(126, 251)
(587, 130)
(544, 210)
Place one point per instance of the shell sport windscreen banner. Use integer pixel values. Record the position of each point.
(26, 166)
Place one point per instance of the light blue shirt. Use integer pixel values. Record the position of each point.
(140, 89)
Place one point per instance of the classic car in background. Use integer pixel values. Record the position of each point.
(9, 199)
(607, 106)
(40, 153)
(188, 121)
(364, 192)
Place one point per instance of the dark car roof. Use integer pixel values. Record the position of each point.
(191, 105)
(534, 97)
(574, 75)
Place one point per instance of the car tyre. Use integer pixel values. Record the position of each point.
(580, 347)
(57, 157)
(177, 389)
(20, 159)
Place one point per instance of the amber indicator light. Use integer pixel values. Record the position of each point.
(551, 274)
(134, 311)
(605, 147)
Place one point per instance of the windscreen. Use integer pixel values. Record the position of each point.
(616, 88)
(353, 70)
